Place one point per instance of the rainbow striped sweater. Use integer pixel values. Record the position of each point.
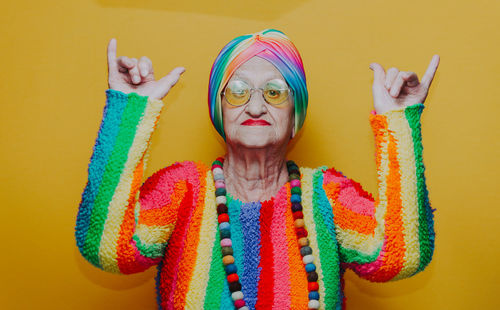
(125, 226)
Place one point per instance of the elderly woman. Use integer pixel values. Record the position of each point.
(254, 230)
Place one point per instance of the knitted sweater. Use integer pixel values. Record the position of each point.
(124, 226)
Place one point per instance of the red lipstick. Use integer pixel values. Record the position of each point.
(255, 122)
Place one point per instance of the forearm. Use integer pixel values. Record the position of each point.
(402, 210)
(106, 222)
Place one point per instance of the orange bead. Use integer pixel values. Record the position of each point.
(303, 242)
(228, 259)
(299, 223)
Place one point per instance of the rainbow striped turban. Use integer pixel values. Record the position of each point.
(269, 44)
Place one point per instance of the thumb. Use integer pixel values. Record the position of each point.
(378, 72)
(169, 80)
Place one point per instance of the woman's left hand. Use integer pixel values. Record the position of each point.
(398, 89)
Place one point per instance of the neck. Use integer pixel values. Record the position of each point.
(255, 174)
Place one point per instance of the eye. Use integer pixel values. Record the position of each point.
(276, 91)
(237, 92)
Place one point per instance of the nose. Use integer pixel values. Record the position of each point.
(256, 106)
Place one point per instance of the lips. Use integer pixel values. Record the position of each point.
(255, 122)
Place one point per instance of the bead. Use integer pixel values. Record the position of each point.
(303, 242)
(232, 278)
(296, 206)
(294, 170)
(227, 250)
(298, 215)
(295, 183)
(306, 250)
(308, 259)
(220, 184)
(223, 218)
(228, 259)
(310, 267)
(296, 190)
(244, 308)
(225, 233)
(239, 303)
(226, 242)
(235, 286)
(218, 177)
(237, 295)
(231, 268)
(298, 223)
(220, 192)
(217, 162)
(313, 286)
(314, 295)
(217, 170)
(220, 200)
(224, 225)
(301, 232)
(221, 208)
(313, 304)
(295, 198)
(312, 276)
(294, 176)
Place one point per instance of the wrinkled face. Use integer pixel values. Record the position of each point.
(258, 124)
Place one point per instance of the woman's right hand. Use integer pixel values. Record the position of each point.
(131, 75)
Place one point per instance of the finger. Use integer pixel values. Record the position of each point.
(378, 73)
(170, 79)
(134, 72)
(410, 78)
(390, 76)
(145, 66)
(397, 84)
(112, 66)
(431, 71)
(125, 62)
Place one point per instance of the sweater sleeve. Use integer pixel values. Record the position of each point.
(120, 227)
(391, 237)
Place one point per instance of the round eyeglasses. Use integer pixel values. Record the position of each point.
(275, 92)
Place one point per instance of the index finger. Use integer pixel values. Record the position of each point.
(431, 71)
(112, 66)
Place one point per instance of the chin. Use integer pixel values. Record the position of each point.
(255, 139)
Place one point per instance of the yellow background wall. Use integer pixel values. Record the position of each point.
(53, 78)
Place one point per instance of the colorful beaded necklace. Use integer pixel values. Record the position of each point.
(300, 230)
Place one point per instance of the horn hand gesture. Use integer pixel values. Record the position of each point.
(396, 89)
(131, 75)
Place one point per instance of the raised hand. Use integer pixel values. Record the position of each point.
(131, 75)
(396, 89)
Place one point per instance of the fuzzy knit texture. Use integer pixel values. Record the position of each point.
(125, 226)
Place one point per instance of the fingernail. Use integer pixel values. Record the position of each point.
(136, 79)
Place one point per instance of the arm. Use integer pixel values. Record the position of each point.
(114, 231)
(106, 215)
(393, 237)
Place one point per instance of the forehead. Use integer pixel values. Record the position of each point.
(257, 70)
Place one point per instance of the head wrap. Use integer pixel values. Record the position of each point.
(269, 44)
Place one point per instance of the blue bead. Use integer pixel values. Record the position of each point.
(310, 267)
(295, 198)
(231, 268)
(225, 233)
(313, 295)
(224, 225)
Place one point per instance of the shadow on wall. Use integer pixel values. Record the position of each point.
(263, 10)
